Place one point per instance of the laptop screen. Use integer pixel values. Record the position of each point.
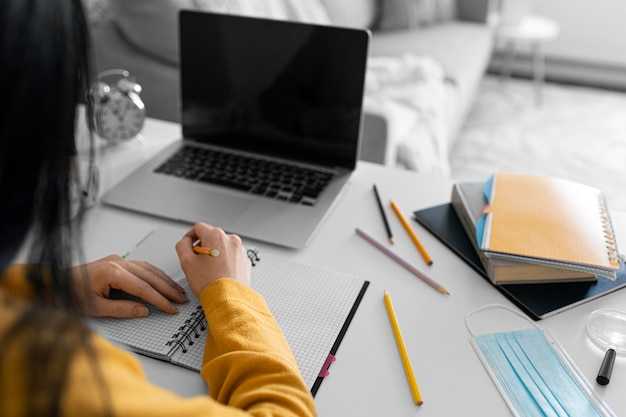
(285, 89)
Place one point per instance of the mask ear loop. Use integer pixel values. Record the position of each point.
(493, 307)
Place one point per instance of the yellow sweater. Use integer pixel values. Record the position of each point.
(248, 365)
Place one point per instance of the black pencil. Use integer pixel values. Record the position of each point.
(382, 213)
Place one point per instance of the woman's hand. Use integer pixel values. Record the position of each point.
(133, 277)
(201, 270)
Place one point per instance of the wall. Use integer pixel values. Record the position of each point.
(591, 30)
(591, 47)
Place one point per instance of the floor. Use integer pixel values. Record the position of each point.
(577, 133)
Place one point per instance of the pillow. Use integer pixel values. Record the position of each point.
(311, 11)
(398, 14)
(265, 8)
(352, 13)
(410, 14)
(152, 25)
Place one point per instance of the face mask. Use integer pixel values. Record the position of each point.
(534, 374)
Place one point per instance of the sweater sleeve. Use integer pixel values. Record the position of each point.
(248, 363)
(13, 281)
(248, 366)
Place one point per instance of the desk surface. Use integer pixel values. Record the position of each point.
(368, 378)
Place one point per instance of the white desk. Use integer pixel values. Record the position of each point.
(368, 378)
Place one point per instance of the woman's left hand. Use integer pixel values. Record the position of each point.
(133, 277)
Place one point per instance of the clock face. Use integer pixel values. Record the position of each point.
(121, 116)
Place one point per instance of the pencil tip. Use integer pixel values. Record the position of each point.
(444, 291)
(392, 240)
(430, 263)
(419, 403)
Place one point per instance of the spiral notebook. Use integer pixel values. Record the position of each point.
(548, 221)
(313, 307)
(468, 201)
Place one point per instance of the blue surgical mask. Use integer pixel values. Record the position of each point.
(534, 374)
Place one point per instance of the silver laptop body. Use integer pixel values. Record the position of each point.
(274, 91)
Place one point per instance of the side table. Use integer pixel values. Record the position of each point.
(534, 31)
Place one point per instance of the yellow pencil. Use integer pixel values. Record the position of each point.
(411, 233)
(417, 397)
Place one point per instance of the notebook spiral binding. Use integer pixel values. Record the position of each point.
(196, 324)
(189, 331)
(609, 233)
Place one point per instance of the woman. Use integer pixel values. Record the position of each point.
(50, 363)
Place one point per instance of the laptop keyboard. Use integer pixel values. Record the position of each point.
(258, 176)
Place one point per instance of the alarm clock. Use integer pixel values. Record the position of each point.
(119, 112)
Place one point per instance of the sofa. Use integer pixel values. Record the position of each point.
(445, 44)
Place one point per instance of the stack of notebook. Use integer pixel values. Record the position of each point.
(546, 243)
(537, 229)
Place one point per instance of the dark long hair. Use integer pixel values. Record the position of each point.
(45, 73)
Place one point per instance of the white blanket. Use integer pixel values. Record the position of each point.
(409, 92)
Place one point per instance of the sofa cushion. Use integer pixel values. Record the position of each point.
(408, 14)
(462, 48)
(152, 25)
(298, 10)
(352, 13)
(398, 15)
(159, 80)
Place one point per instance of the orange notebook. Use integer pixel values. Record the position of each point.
(548, 221)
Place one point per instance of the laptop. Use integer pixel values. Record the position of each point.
(271, 115)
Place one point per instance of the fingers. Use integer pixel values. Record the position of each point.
(120, 308)
(136, 278)
(152, 285)
(201, 270)
(157, 279)
(141, 280)
(206, 236)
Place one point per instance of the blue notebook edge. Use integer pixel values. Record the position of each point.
(482, 221)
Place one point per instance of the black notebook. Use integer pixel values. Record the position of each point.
(539, 301)
(313, 307)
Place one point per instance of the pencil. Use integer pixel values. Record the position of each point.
(411, 233)
(382, 212)
(417, 397)
(402, 262)
(206, 251)
(201, 250)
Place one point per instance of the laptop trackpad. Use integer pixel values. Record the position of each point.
(217, 209)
